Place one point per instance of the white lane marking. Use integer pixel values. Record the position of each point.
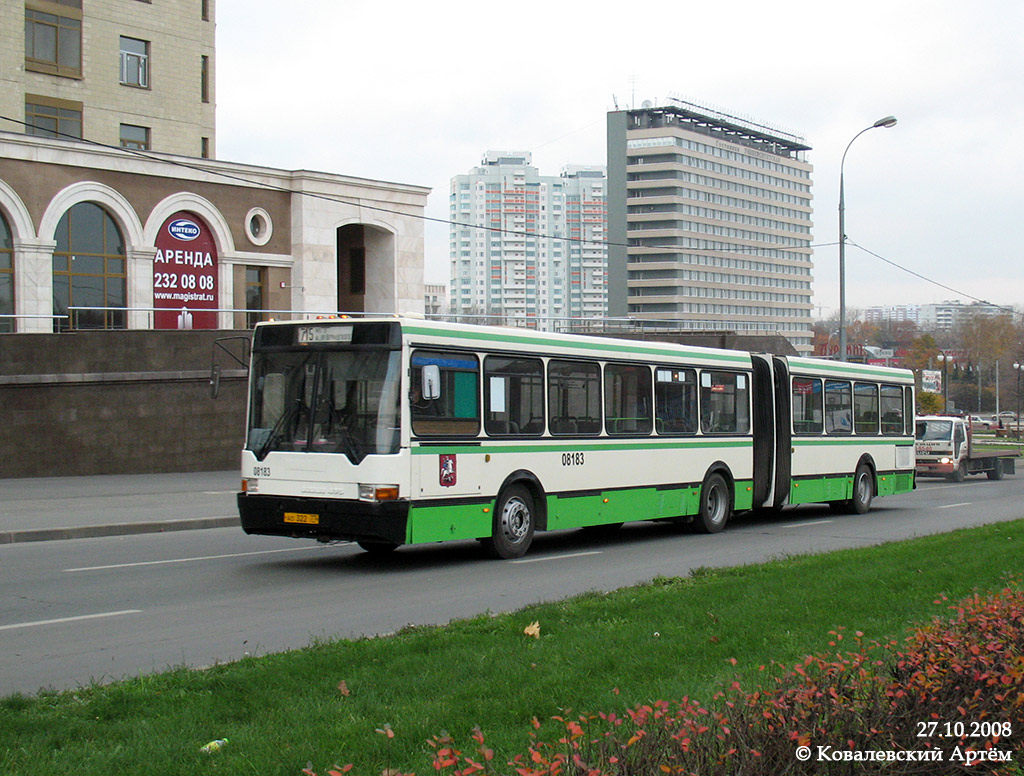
(557, 557)
(950, 506)
(189, 560)
(12, 626)
(218, 492)
(801, 525)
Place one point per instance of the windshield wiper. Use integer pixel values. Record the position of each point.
(353, 450)
(282, 422)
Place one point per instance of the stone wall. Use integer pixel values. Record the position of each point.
(119, 402)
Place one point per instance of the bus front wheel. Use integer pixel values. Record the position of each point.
(715, 505)
(513, 525)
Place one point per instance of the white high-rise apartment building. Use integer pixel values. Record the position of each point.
(709, 222)
(527, 247)
(941, 317)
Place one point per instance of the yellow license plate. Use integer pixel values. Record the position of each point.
(301, 517)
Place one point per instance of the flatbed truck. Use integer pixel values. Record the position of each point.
(945, 448)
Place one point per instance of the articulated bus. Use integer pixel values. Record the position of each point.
(392, 431)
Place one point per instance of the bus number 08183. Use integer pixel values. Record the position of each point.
(572, 459)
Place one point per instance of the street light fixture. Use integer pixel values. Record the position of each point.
(888, 121)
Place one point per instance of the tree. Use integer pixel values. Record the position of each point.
(987, 339)
(921, 354)
(930, 403)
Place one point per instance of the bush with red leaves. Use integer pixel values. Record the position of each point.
(949, 700)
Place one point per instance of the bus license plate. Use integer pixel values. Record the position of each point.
(301, 517)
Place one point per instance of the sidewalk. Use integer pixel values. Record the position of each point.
(48, 508)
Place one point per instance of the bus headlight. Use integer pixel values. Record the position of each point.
(378, 492)
(250, 485)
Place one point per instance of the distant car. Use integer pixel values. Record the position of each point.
(1008, 414)
(977, 421)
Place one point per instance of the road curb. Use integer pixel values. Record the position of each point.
(116, 529)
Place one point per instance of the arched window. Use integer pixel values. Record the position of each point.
(6, 276)
(89, 270)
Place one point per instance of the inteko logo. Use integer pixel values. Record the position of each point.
(183, 229)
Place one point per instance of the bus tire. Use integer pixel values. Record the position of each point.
(996, 472)
(863, 491)
(715, 504)
(515, 519)
(378, 548)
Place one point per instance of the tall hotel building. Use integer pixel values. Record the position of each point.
(527, 247)
(709, 222)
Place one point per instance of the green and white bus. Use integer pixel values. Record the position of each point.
(392, 431)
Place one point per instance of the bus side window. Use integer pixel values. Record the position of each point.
(908, 410)
(838, 407)
(724, 403)
(675, 400)
(892, 410)
(513, 396)
(455, 411)
(865, 408)
(574, 398)
(807, 406)
(627, 399)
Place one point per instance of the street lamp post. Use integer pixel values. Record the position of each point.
(1018, 367)
(888, 121)
(944, 360)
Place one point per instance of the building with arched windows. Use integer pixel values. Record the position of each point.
(106, 258)
(94, 237)
(119, 232)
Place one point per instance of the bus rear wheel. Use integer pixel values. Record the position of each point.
(863, 491)
(715, 505)
(513, 525)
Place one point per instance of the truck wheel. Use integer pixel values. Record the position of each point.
(959, 473)
(513, 525)
(996, 472)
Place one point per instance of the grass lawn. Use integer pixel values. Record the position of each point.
(597, 652)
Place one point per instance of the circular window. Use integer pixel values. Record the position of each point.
(258, 226)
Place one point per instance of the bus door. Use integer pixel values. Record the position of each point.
(764, 431)
(783, 432)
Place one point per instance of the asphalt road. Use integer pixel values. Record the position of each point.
(97, 609)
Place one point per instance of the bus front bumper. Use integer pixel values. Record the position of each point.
(324, 519)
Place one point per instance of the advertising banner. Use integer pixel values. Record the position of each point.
(185, 274)
(931, 380)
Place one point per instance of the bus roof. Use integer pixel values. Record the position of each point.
(521, 339)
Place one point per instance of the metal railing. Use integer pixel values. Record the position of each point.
(76, 311)
(580, 325)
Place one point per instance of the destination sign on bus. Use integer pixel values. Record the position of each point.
(308, 335)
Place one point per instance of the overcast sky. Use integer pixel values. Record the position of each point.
(416, 92)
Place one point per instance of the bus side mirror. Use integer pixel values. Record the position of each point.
(431, 379)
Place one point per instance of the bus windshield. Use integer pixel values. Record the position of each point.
(934, 430)
(332, 401)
